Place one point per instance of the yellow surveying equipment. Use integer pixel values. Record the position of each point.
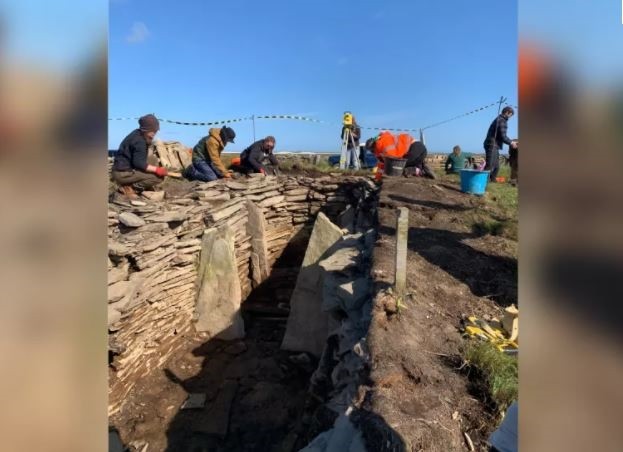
(349, 155)
(348, 119)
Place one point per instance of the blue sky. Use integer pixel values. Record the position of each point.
(61, 37)
(585, 34)
(393, 64)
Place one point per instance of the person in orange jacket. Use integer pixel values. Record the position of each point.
(401, 146)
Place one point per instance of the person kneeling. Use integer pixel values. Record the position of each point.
(207, 165)
(252, 158)
(133, 168)
(457, 161)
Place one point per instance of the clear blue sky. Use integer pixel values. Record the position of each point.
(585, 34)
(393, 64)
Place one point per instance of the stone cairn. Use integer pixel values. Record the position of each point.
(153, 257)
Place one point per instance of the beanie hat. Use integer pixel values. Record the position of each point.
(227, 134)
(149, 123)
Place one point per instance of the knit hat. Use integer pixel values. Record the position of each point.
(149, 123)
(227, 134)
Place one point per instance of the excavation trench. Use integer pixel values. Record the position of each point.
(303, 353)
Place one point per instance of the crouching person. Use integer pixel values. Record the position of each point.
(133, 169)
(416, 161)
(207, 164)
(252, 158)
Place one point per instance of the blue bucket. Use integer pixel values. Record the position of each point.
(474, 181)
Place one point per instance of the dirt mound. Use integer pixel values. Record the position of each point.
(418, 388)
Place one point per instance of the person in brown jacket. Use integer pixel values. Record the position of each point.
(207, 165)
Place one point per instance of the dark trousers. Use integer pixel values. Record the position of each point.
(140, 180)
(513, 161)
(202, 171)
(416, 155)
(492, 158)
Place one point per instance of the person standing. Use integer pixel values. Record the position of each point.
(352, 146)
(133, 168)
(495, 140)
(252, 158)
(206, 158)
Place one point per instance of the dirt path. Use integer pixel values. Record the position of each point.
(451, 271)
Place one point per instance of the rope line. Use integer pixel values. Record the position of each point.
(319, 121)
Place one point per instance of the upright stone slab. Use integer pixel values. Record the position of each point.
(402, 235)
(308, 325)
(219, 295)
(346, 219)
(256, 228)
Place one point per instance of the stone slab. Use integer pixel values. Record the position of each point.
(308, 325)
(217, 310)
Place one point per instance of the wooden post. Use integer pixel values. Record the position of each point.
(402, 234)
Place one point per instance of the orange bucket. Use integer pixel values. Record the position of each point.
(235, 161)
(500, 179)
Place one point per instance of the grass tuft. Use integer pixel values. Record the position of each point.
(499, 372)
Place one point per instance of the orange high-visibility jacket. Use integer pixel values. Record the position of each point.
(389, 146)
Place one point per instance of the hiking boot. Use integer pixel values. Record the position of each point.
(128, 191)
(428, 172)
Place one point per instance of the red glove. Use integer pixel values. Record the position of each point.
(263, 171)
(161, 171)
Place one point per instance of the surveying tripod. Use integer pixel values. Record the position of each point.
(349, 155)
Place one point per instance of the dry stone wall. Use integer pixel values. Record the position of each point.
(154, 247)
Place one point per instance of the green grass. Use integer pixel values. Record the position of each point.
(497, 212)
(497, 372)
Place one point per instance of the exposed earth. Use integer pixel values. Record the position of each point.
(417, 395)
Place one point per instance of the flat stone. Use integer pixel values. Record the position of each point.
(296, 192)
(271, 201)
(117, 274)
(169, 217)
(130, 220)
(296, 198)
(344, 260)
(308, 325)
(194, 401)
(113, 315)
(135, 202)
(217, 310)
(119, 290)
(236, 185)
(153, 195)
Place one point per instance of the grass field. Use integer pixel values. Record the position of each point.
(499, 215)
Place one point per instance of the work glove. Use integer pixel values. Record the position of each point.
(263, 171)
(227, 175)
(161, 171)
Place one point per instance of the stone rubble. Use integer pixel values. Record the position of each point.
(153, 262)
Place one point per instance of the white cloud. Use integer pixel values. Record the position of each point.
(138, 33)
